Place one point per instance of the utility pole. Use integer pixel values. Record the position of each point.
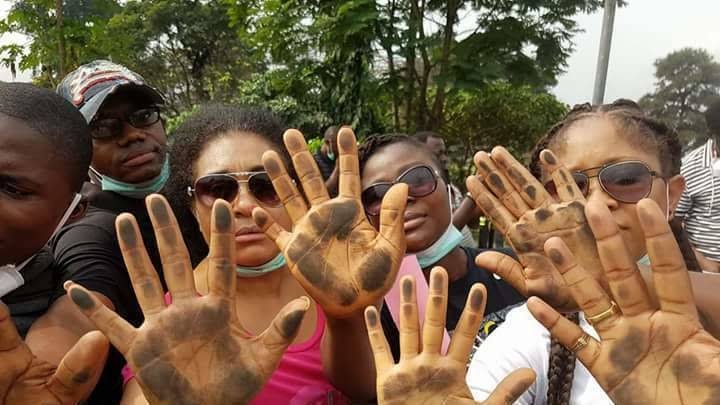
(604, 52)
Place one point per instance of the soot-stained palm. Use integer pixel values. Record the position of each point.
(25, 379)
(333, 251)
(424, 375)
(647, 354)
(528, 215)
(195, 349)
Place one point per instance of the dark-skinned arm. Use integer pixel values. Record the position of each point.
(466, 214)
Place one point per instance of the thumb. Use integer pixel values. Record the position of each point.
(506, 268)
(392, 216)
(285, 326)
(9, 337)
(511, 387)
(80, 369)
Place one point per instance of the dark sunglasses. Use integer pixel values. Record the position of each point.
(421, 181)
(627, 182)
(226, 186)
(104, 128)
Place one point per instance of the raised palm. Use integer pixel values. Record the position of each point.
(424, 375)
(528, 215)
(193, 350)
(646, 354)
(25, 379)
(337, 256)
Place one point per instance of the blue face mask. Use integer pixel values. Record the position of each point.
(135, 190)
(447, 242)
(250, 272)
(331, 156)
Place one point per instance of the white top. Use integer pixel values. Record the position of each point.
(521, 341)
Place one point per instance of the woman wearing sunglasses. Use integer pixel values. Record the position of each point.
(611, 154)
(394, 158)
(217, 154)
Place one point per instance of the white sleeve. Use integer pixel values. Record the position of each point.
(515, 344)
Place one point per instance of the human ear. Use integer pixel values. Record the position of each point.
(676, 186)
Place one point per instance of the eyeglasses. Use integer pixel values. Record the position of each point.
(421, 181)
(627, 182)
(226, 186)
(104, 128)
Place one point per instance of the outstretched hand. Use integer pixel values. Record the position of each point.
(25, 379)
(193, 350)
(424, 376)
(527, 215)
(646, 354)
(337, 256)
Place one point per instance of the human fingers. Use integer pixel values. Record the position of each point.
(435, 311)
(286, 324)
(392, 211)
(670, 275)
(567, 188)
(221, 257)
(80, 369)
(177, 270)
(569, 334)
(9, 336)
(511, 387)
(626, 283)
(306, 168)
(145, 280)
(272, 230)
(409, 322)
(499, 184)
(378, 343)
(527, 185)
(500, 216)
(120, 333)
(507, 268)
(284, 186)
(585, 289)
(349, 182)
(467, 328)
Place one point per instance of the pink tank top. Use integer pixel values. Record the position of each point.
(299, 378)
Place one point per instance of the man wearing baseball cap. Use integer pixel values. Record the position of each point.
(129, 162)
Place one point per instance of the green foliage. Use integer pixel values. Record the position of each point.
(499, 114)
(687, 81)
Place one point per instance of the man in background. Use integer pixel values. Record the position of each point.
(699, 206)
(327, 157)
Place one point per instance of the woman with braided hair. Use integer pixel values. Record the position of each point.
(613, 154)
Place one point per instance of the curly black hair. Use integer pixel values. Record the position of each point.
(208, 123)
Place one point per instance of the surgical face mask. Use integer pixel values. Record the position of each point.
(330, 155)
(10, 277)
(133, 190)
(449, 240)
(257, 271)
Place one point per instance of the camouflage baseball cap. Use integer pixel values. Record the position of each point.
(88, 86)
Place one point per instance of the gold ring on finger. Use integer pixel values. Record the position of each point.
(580, 344)
(613, 310)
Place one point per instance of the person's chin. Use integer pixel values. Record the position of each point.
(258, 253)
(142, 174)
(417, 241)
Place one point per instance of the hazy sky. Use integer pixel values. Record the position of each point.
(644, 31)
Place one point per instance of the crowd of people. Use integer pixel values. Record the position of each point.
(225, 263)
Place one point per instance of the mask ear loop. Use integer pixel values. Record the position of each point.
(667, 198)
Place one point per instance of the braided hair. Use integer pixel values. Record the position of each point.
(656, 136)
(190, 139)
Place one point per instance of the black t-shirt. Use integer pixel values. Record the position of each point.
(87, 252)
(34, 297)
(499, 296)
(325, 165)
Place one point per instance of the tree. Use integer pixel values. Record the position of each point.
(499, 114)
(687, 81)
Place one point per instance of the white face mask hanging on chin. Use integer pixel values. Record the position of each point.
(10, 277)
